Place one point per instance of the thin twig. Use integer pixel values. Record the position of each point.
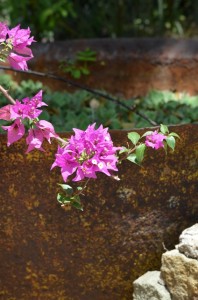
(5, 93)
(83, 87)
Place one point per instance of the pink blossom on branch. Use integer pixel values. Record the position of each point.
(42, 130)
(3, 31)
(18, 62)
(20, 40)
(15, 43)
(86, 153)
(155, 140)
(15, 131)
(27, 110)
(5, 113)
(28, 107)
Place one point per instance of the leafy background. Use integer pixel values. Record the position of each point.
(79, 109)
(63, 19)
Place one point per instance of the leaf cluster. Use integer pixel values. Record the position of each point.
(69, 198)
(79, 65)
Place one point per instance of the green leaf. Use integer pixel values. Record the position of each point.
(76, 73)
(63, 199)
(170, 140)
(164, 129)
(174, 134)
(132, 158)
(123, 150)
(77, 203)
(65, 186)
(79, 188)
(85, 71)
(133, 137)
(147, 133)
(140, 152)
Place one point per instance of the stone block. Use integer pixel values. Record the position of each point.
(150, 287)
(180, 275)
(188, 242)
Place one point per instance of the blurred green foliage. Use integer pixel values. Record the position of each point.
(63, 19)
(79, 65)
(68, 110)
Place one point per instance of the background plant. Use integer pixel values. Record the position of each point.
(79, 65)
(63, 19)
(68, 110)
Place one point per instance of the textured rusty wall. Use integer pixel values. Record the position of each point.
(47, 253)
(126, 67)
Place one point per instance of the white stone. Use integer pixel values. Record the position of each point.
(188, 242)
(150, 287)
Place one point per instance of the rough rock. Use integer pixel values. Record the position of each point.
(180, 274)
(188, 242)
(150, 287)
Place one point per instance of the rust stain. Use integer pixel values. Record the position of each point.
(47, 253)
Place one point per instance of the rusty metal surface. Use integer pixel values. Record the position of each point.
(47, 253)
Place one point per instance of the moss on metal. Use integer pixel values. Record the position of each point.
(49, 253)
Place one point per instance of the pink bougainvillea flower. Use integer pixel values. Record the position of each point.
(18, 62)
(5, 113)
(15, 131)
(155, 140)
(20, 40)
(86, 153)
(3, 32)
(43, 130)
(35, 101)
(27, 108)
(16, 42)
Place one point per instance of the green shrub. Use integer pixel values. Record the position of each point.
(68, 110)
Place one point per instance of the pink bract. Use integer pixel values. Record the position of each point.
(18, 62)
(3, 31)
(155, 140)
(28, 107)
(43, 130)
(5, 112)
(20, 39)
(15, 131)
(86, 153)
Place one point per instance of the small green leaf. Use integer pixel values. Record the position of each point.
(123, 150)
(76, 73)
(85, 71)
(133, 137)
(147, 133)
(132, 158)
(65, 186)
(79, 188)
(140, 152)
(164, 129)
(171, 142)
(63, 199)
(77, 203)
(174, 134)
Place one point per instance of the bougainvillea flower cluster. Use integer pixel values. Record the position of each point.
(86, 153)
(27, 112)
(155, 140)
(16, 41)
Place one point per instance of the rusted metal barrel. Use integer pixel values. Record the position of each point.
(48, 253)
